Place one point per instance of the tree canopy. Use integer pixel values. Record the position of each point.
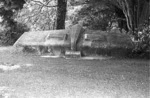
(95, 14)
(39, 15)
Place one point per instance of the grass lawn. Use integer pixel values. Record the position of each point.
(74, 78)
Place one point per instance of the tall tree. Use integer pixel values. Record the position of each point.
(61, 14)
(44, 14)
(136, 12)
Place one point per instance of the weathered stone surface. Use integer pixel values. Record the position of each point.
(102, 39)
(53, 38)
(94, 37)
(73, 54)
(44, 39)
(117, 39)
(38, 38)
(75, 39)
(75, 32)
(87, 43)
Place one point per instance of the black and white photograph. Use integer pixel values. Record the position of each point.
(74, 48)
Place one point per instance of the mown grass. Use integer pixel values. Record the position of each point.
(114, 78)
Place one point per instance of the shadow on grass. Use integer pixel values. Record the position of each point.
(118, 52)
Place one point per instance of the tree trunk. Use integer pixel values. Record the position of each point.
(136, 13)
(61, 14)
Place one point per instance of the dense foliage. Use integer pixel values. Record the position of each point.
(10, 34)
(134, 17)
(95, 16)
(12, 30)
(39, 15)
(142, 45)
(8, 9)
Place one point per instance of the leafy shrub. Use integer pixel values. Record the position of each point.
(10, 34)
(94, 16)
(142, 45)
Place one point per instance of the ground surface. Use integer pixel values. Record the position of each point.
(73, 78)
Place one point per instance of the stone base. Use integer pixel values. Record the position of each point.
(73, 54)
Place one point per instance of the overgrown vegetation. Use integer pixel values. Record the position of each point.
(142, 44)
(12, 32)
(130, 15)
(11, 28)
(95, 16)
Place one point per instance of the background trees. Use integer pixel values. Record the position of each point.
(131, 15)
(11, 28)
(95, 15)
(136, 12)
(137, 15)
(8, 9)
(39, 15)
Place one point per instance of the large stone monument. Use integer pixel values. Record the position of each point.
(55, 40)
(74, 40)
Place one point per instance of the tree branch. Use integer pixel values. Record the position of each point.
(126, 15)
(42, 4)
(129, 13)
